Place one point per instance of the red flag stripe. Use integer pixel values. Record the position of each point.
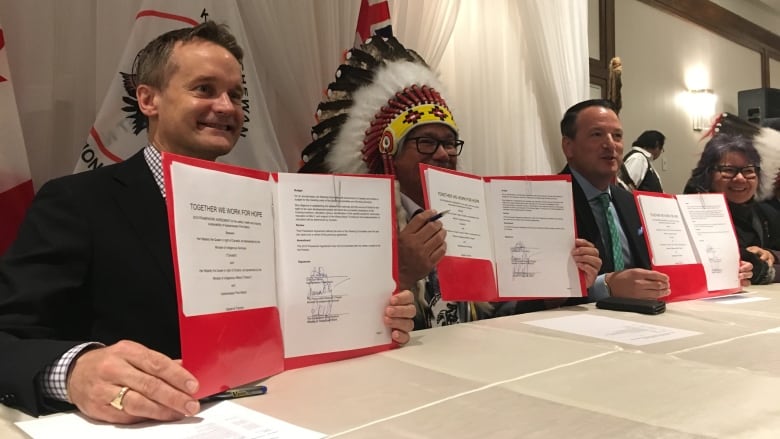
(160, 14)
(15, 202)
(371, 14)
(93, 132)
(2, 46)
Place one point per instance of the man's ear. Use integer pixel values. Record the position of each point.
(567, 145)
(147, 99)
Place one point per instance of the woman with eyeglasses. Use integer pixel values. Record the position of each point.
(731, 165)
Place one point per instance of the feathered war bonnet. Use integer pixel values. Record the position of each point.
(382, 91)
(767, 143)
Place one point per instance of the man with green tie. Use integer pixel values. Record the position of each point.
(606, 214)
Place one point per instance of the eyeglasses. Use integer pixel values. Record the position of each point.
(749, 172)
(429, 145)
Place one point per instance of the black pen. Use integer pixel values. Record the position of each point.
(239, 392)
(438, 216)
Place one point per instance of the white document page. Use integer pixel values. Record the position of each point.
(617, 330)
(335, 261)
(223, 420)
(466, 222)
(666, 231)
(712, 234)
(224, 240)
(533, 236)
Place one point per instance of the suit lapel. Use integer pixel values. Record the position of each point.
(138, 196)
(586, 223)
(632, 226)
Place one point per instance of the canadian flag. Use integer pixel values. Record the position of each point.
(16, 188)
(373, 19)
(120, 128)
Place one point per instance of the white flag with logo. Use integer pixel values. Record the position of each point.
(16, 188)
(120, 128)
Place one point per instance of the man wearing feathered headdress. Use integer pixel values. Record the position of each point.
(384, 114)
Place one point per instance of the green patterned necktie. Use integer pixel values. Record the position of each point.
(614, 237)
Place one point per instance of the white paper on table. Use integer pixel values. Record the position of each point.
(533, 236)
(670, 243)
(336, 264)
(733, 299)
(468, 233)
(224, 239)
(713, 237)
(617, 330)
(223, 420)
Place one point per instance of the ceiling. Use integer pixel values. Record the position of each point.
(764, 13)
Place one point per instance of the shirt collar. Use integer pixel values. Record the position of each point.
(590, 191)
(154, 161)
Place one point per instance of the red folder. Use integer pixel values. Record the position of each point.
(228, 349)
(687, 281)
(473, 279)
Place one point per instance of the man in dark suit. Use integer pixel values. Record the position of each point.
(593, 145)
(88, 313)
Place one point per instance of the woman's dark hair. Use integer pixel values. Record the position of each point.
(650, 139)
(720, 145)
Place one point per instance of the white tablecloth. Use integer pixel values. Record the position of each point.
(503, 378)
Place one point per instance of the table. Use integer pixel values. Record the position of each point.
(503, 378)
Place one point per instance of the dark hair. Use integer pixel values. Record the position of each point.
(569, 121)
(720, 145)
(152, 66)
(650, 139)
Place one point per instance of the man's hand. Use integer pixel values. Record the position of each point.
(420, 247)
(586, 256)
(159, 387)
(745, 273)
(638, 283)
(763, 254)
(399, 315)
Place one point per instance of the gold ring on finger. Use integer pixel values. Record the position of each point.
(117, 401)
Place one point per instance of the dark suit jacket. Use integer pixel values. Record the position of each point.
(92, 262)
(629, 222)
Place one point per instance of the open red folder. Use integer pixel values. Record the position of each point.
(508, 238)
(691, 239)
(277, 271)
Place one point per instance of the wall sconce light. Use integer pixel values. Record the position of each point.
(701, 107)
